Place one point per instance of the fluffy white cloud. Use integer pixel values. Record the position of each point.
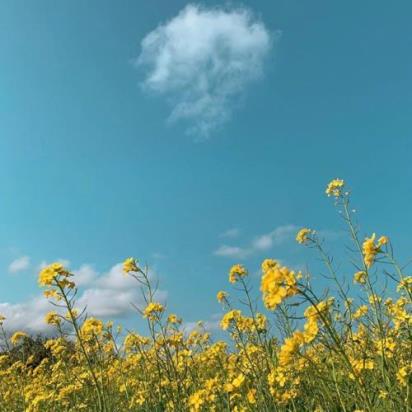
(259, 244)
(107, 295)
(202, 60)
(27, 316)
(85, 275)
(19, 264)
(112, 294)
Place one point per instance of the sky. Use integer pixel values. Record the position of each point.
(193, 136)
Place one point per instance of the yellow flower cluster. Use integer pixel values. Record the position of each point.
(335, 187)
(130, 265)
(303, 235)
(278, 283)
(153, 310)
(360, 277)
(236, 272)
(221, 296)
(52, 274)
(17, 337)
(370, 249)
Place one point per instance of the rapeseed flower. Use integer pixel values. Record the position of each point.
(335, 187)
(303, 235)
(236, 272)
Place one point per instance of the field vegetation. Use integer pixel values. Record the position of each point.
(292, 348)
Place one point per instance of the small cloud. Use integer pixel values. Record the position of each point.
(261, 243)
(202, 60)
(230, 233)
(19, 264)
(210, 325)
(274, 238)
(232, 251)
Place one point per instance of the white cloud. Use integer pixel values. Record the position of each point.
(232, 251)
(259, 244)
(85, 275)
(106, 295)
(27, 316)
(274, 238)
(202, 60)
(19, 264)
(112, 294)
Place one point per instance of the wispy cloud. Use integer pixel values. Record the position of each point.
(232, 251)
(202, 60)
(259, 244)
(230, 233)
(19, 264)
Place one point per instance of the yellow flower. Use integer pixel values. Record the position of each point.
(360, 277)
(251, 396)
(236, 272)
(196, 400)
(277, 284)
(92, 327)
(402, 375)
(374, 299)
(383, 240)
(17, 337)
(334, 187)
(229, 318)
(290, 348)
(173, 319)
(405, 283)
(153, 310)
(52, 318)
(370, 249)
(130, 265)
(221, 296)
(383, 394)
(361, 311)
(238, 381)
(2, 319)
(50, 273)
(52, 293)
(269, 264)
(303, 235)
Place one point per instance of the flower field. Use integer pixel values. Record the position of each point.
(292, 348)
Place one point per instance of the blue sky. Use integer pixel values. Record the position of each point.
(102, 157)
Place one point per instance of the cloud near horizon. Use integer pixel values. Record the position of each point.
(106, 295)
(202, 60)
